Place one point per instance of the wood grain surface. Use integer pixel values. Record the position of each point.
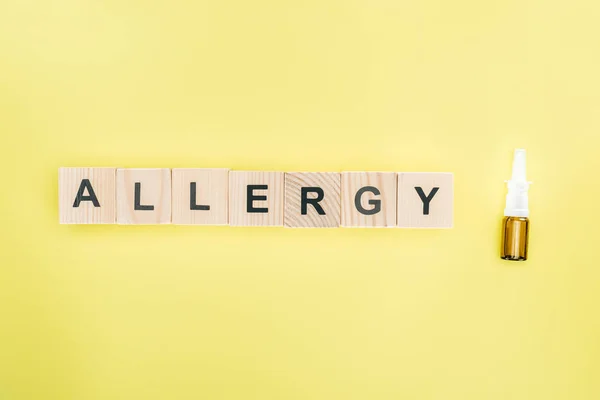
(212, 190)
(155, 192)
(238, 199)
(329, 183)
(102, 181)
(383, 182)
(411, 213)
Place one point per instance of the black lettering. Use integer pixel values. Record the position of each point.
(251, 198)
(376, 203)
(85, 184)
(304, 200)
(426, 199)
(193, 205)
(138, 195)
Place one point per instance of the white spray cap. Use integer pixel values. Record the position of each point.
(517, 202)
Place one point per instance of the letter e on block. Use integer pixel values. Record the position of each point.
(425, 200)
(255, 198)
(86, 195)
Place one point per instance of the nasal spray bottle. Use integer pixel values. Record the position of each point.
(515, 226)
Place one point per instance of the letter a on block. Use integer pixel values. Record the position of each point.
(144, 196)
(312, 200)
(255, 198)
(86, 195)
(425, 200)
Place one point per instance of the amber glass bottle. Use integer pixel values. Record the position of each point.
(515, 238)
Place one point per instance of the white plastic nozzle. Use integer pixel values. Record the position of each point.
(519, 169)
(517, 202)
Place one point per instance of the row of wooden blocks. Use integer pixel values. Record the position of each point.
(255, 198)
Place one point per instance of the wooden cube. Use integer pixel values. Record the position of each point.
(369, 199)
(86, 195)
(144, 196)
(200, 196)
(255, 198)
(312, 200)
(425, 200)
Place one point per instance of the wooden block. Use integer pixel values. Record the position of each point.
(369, 199)
(425, 200)
(86, 195)
(312, 200)
(200, 196)
(255, 198)
(144, 196)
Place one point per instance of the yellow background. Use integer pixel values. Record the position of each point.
(169, 312)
